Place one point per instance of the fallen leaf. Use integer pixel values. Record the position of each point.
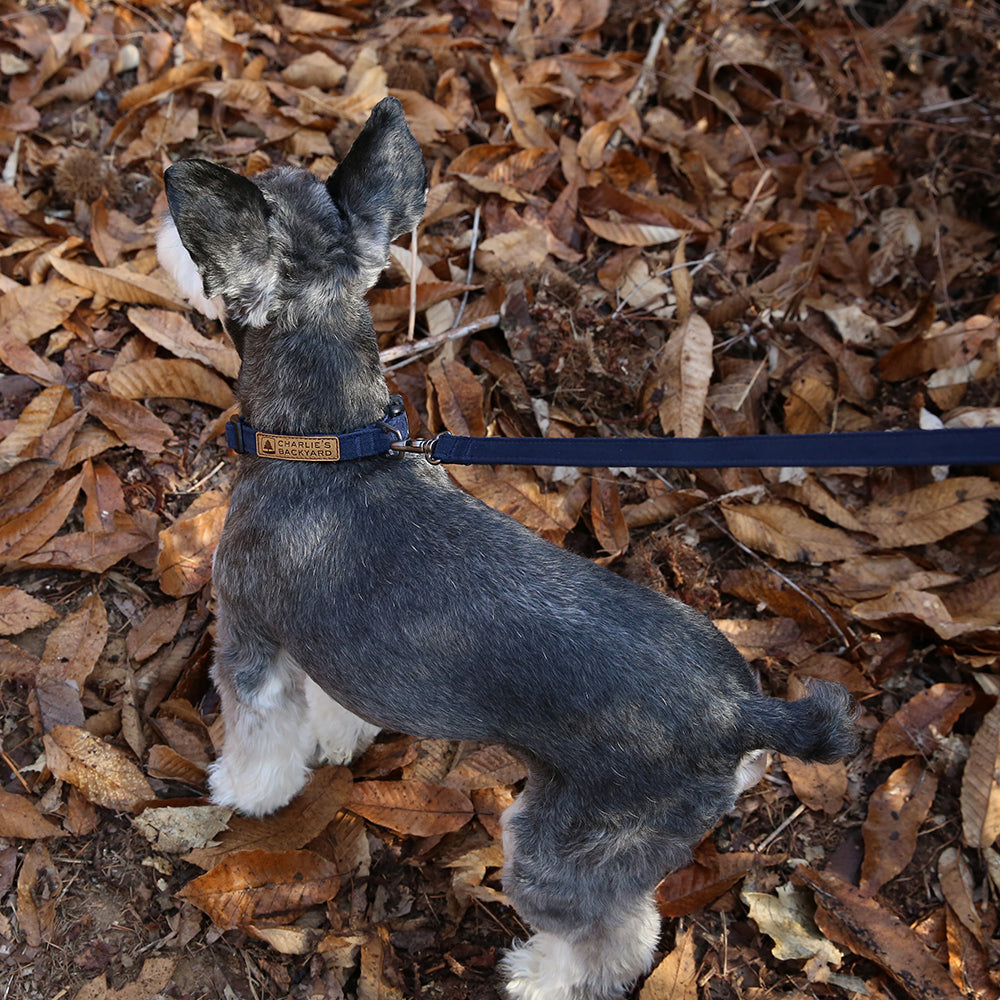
(290, 828)
(930, 513)
(24, 534)
(156, 976)
(20, 818)
(184, 562)
(38, 890)
(102, 772)
(459, 397)
(981, 784)
(261, 887)
(412, 808)
(166, 377)
(157, 628)
(20, 611)
(785, 532)
(633, 234)
(864, 927)
(896, 811)
(177, 829)
(676, 977)
(821, 787)
(28, 311)
(610, 528)
(130, 422)
(919, 726)
(175, 332)
(787, 918)
(118, 283)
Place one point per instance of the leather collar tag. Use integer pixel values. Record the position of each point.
(313, 448)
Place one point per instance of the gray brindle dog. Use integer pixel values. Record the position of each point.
(374, 594)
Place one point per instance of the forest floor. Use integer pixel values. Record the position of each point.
(699, 218)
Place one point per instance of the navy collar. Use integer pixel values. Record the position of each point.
(375, 439)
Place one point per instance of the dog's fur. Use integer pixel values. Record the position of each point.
(375, 594)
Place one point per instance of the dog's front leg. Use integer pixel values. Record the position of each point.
(268, 741)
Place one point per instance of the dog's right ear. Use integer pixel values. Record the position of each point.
(220, 217)
(381, 185)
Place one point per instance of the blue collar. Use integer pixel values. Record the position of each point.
(375, 439)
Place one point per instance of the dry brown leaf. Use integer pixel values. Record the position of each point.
(184, 562)
(981, 784)
(512, 102)
(379, 973)
(20, 818)
(958, 887)
(118, 283)
(91, 551)
(633, 234)
(16, 664)
(28, 311)
(20, 611)
(166, 377)
(75, 644)
(685, 370)
(24, 534)
(702, 882)
(896, 811)
(130, 422)
(175, 332)
(821, 787)
(676, 977)
(919, 726)
(157, 628)
(156, 976)
(176, 78)
(488, 767)
(22, 359)
(515, 491)
(262, 887)
(292, 827)
(176, 829)
(785, 532)
(757, 638)
(166, 763)
(102, 772)
(38, 890)
(938, 348)
(47, 409)
(610, 528)
(80, 87)
(412, 808)
(930, 513)
(105, 497)
(459, 398)
(864, 927)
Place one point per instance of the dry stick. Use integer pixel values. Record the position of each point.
(414, 264)
(401, 354)
(775, 834)
(472, 261)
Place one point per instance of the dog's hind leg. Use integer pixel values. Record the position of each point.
(595, 927)
(340, 733)
(268, 741)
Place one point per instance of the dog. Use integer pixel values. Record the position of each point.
(356, 596)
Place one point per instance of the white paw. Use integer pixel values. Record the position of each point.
(256, 791)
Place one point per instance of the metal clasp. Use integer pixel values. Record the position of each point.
(418, 446)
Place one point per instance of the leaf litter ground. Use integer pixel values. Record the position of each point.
(702, 218)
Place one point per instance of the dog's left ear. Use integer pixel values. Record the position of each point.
(381, 185)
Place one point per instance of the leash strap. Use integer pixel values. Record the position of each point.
(375, 439)
(947, 446)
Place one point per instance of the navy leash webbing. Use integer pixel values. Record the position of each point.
(948, 446)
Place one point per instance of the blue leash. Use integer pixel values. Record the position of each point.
(948, 446)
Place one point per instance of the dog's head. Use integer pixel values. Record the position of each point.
(280, 247)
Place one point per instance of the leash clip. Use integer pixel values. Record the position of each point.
(419, 446)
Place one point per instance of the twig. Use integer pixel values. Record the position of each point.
(638, 94)
(414, 264)
(775, 834)
(472, 261)
(402, 354)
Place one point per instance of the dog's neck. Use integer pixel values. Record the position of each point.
(320, 378)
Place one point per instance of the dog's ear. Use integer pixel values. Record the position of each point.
(218, 232)
(213, 210)
(381, 185)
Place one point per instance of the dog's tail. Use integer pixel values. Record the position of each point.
(820, 727)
